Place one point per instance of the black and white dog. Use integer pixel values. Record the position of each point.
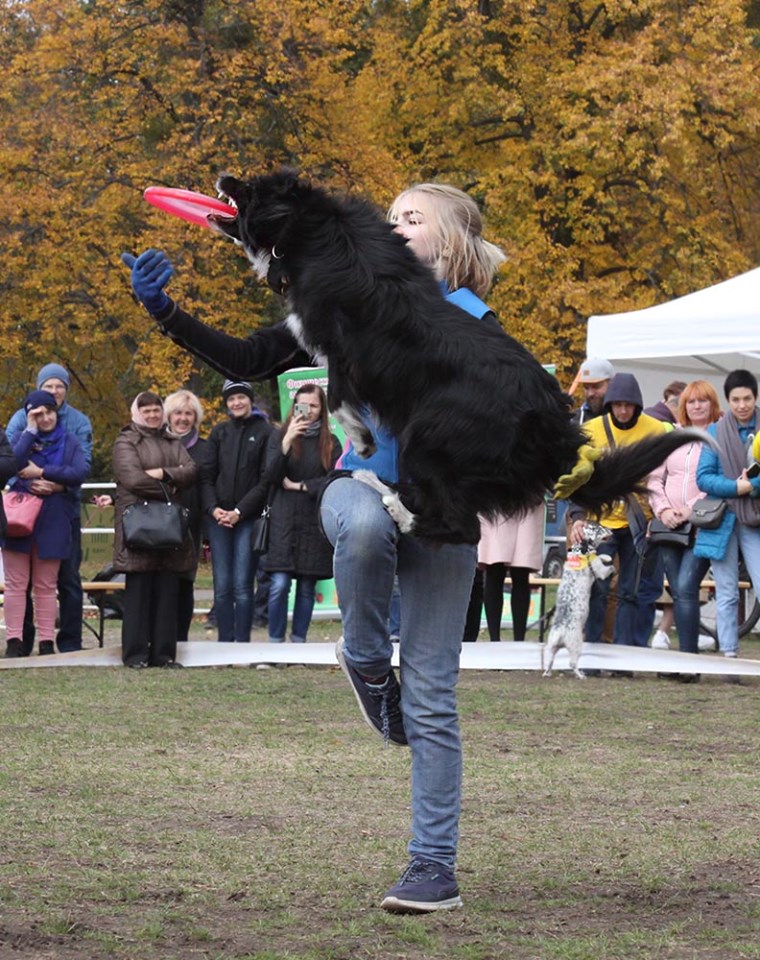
(582, 566)
(482, 428)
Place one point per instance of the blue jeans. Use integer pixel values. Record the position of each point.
(726, 573)
(684, 572)
(233, 565)
(394, 618)
(636, 603)
(435, 583)
(303, 607)
(261, 596)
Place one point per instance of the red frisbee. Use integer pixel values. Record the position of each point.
(187, 204)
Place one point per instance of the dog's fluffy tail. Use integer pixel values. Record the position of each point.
(622, 471)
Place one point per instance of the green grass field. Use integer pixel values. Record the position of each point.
(234, 813)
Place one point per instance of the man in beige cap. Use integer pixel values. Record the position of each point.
(595, 375)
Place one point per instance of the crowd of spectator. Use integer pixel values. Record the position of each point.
(247, 463)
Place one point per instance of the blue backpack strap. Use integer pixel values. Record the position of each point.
(466, 300)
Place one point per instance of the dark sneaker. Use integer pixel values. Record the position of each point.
(15, 648)
(380, 703)
(47, 647)
(137, 665)
(172, 665)
(424, 886)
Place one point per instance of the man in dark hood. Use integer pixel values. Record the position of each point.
(640, 577)
(623, 401)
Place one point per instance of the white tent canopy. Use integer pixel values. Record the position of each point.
(703, 335)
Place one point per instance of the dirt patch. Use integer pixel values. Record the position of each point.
(689, 916)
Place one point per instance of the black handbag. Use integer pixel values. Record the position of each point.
(707, 513)
(679, 536)
(260, 532)
(260, 528)
(155, 524)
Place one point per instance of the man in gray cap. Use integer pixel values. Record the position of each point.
(594, 377)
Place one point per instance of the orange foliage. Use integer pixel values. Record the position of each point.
(612, 146)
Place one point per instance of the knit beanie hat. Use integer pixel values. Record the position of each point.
(39, 398)
(236, 386)
(51, 370)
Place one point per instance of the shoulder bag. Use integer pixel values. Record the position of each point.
(260, 531)
(660, 533)
(155, 524)
(260, 528)
(707, 513)
(21, 512)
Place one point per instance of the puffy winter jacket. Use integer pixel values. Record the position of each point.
(232, 467)
(136, 450)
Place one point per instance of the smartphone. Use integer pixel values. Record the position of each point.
(301, 410)
(754, 470)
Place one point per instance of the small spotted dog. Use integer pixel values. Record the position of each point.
(581, 568)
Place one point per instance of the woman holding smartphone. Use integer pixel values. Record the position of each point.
(299, 457)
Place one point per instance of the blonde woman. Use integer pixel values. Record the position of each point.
(184, 415)
(443, 227)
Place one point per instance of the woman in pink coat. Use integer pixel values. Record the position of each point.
(672, 493)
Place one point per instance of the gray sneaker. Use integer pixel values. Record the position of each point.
(424, 886)
(380, 703)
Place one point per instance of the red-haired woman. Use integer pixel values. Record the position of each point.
(299, 457)
(673, 491)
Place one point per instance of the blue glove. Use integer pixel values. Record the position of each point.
(151, 271)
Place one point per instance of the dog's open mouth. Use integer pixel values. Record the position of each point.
(223, 217)
(225, 199)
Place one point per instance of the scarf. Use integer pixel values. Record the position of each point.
(137, 416)
(313, 429)
(49, 447)
(187, 440)
(733, 459)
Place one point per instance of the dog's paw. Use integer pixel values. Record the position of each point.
(364, 445)
(579, 673)
(372, 480)
(355, 428)
(403, 518)
(546, 673)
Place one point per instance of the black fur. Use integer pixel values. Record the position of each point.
(482, 427)
(626, 468)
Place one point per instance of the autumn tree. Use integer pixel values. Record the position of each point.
(611, 145)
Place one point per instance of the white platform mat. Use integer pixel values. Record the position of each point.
(475, 656)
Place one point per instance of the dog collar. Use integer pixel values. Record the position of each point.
(579, 561)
